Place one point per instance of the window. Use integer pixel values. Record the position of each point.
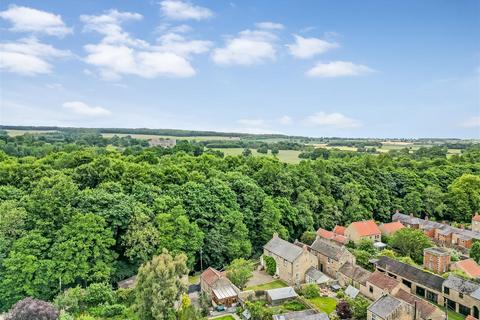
(370, 289)
(420, 291)
(446, 290)
(463, 310)
(460, 295)
(407, 283)
(451, 305)
(432, 296)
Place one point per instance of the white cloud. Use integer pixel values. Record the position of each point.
(183, 10)
(178, 44)
(338, 69)
(28, 56)
(269, 25)
(473, 122)
(308, 47)
(83, 109)
(248, 48)
(335, 120)
(25, 19)
(285, 120)
(119, 53)
(109, 25)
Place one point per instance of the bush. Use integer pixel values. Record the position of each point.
(71, 300)
(109, 310)
(30, 308)
(125, 296)
(293, 306)
(310, 291)
(343, 310)
(271, 265)
(99, 293)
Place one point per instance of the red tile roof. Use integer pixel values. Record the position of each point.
(392, 227)
(324, 233)
(340, 239)
(339, 230)
(365, 228)
(210, 276)
(476, 217)
(470, 267)
(383, 281)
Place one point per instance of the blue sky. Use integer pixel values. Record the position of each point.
(317, 68)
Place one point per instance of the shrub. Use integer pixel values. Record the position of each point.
(109, 310)
(30, 308)
(343, 310)
(71, 300)
(310, 291)
(99, 293)
(293, 306)
(125, 296)
(271, 265)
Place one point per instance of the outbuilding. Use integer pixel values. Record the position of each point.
(280, 295)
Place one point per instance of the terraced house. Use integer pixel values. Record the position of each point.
(462, 295)
(330, 256)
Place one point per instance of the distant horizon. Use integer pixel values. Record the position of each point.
(53, 127)
(315, 68)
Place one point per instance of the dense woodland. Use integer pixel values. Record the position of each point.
(84, 209)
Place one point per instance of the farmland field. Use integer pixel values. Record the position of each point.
(14, 133)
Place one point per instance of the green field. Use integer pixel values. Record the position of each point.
(288, 156)
(324, 304)
(267, 286)
(152, 136)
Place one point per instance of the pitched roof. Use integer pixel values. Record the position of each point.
(301, 315)
(317, 275)
(391, 227)
(351, 292)
(281, 293)
(365, 228)
(339, 230)
(410, 273)
(128, 283)
(210, 275)
(327, 248)
(324, 233)
(385, 306)
(424, 308)
(340, 238)
(355, 272)
(461, 285)
(284, 249)
(476, 217)
(470, 267)
(383, 281)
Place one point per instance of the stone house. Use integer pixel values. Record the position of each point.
(424, 310)
(363, 230)
(462, 295)
(388, 307)
(469, 266)
(476, 222)
(351, 274)
(330, 256)
(379, 284)
(292, 260)
(418, 281)
(336, 236)
(388, 229)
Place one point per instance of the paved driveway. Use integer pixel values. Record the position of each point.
(259, 277)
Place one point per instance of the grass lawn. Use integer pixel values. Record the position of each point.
(270, 285)
(194, 279)
(452, 315)
(224, 318)
(325, 304)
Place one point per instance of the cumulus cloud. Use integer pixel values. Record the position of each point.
(83, 109)
(269, 25)
(473, 122)
(248, 48)
(119, 53)
(308, 47)
(28, 56)
(338, 69)
(334, 120)
(183, 10)
(25, 19)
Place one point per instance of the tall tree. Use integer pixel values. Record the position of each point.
(410, 242)
(239, 271)
(159, 286)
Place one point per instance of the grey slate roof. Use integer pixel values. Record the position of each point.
(410, 273)
(384, 306)
(461, 285)
(284, 249)
(327, 249)
(355, 272)
(281, 293)
(316, 275)
(444, 229)
(301, 315)
(351, 292)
